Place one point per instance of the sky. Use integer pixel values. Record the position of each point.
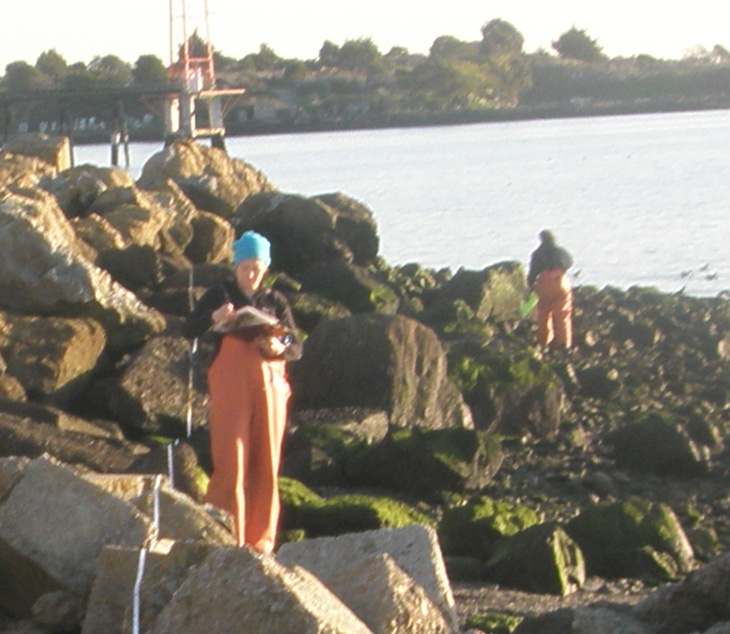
(82, 29)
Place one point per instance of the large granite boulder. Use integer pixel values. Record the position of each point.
(46, 271)
(160, 405)
(305, 232)
(52, 357)
(55, 151)
(29, 429)
(23, 171)
(207, 175)
(354, 287)
(376, 361)
(77, 188)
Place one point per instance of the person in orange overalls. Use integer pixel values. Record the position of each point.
(549, 264)
(249, 394)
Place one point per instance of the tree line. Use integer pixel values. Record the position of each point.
(356, 83)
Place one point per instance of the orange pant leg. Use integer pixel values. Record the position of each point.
(554, 308)
(248, 400)
(267, 433)
(563, 320)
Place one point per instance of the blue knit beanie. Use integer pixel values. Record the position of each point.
(251, 245)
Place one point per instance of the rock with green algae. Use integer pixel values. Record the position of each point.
(634, 538)
(426, 462)
(512, 393)
(495, 293)
(473, 529)
(495, 623)
(540, 559)
(303, 509)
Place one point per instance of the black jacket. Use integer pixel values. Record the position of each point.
(548, 257)
(270, 301)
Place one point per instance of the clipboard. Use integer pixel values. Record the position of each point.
(250, 320)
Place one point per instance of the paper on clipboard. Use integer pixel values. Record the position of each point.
(249, 317)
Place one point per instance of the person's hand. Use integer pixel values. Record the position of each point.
(270, 346)
(224, 313)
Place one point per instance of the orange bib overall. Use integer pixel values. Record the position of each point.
(554, 308)
(247, 417)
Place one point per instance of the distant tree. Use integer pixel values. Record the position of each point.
(577, 44)
(266, 58)
(295, 70)
(449, 48)
(197, 46)
(720, 54)
(223, 62)
(501, 38)
(444, 85)
(149, 70)
(360, 54)
(329, 54)
(397, 52)
(110, 69)
(21, 76)
(52, 64)
(501, 45)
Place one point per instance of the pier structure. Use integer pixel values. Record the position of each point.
(192, 74)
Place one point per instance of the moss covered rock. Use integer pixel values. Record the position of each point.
(495, 293)
(634, 538)
(542, 559)
(473, 529)
(515, 394)
(352, 286)
(392, 363)
(317, 516)
(425, 462)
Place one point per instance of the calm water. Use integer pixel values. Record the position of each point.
(638, 200)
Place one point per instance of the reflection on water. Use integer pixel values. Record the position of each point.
(641, 199)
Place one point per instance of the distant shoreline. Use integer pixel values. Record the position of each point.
(520, 113)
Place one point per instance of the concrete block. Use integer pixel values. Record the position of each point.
(414, 548)
(180, 517)
(110, 606)
(387, 600)
(238, 590)
(53, 525)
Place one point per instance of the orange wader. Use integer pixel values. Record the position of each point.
(248, 401)
(554, 308)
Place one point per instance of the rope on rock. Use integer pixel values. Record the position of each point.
(189, 390)
(137, 586)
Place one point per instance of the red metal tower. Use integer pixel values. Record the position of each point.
(192, 74)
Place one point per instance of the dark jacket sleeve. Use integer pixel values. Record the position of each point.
(547, 258)
(536, 266)
(283, 312)
(200, 318)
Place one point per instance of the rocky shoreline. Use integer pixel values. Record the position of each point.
(566, 490)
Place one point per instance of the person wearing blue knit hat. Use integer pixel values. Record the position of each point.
(248, 389)
(252, 245)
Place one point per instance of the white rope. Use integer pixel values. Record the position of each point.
(137, 586)
(170, 467)
(156, 508)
